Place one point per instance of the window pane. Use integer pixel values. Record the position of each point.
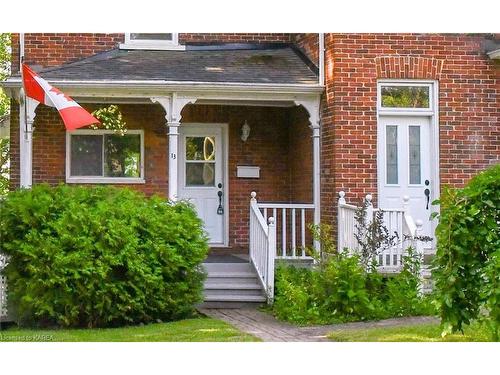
(405, 96)
(200, 174)
(414, 142)
(391, 139)
(86, 155)
(200, 148)
(122, 155)
(150, 36)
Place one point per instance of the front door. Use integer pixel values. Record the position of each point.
(404, 152)
(201, 176)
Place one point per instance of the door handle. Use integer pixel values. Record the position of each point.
(220, 209)
(427, 193)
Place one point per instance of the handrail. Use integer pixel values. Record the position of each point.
(286, 205)
(262, 247)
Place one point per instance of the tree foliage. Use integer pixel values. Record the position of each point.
(5, 53)
(467, 263)
(4, 111)
(111, 118)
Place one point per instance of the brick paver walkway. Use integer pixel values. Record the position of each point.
(267, 328)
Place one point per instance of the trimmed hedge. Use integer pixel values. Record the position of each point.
(100, 256)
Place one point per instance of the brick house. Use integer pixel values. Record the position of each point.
(295, 118)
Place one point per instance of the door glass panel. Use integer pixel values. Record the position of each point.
(200, 174)
(414, 146)
(200, 161)
(391, 147)
(405, 96)
(200, 148)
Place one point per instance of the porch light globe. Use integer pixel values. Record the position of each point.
(245, 131)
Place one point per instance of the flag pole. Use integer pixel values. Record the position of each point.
(23, 97)
(25, 149)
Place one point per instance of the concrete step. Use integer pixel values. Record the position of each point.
(231, 285)
(234, 298)
(228, 305)
(227, 267)
(209, 285)
(233, 292)
(232, 278)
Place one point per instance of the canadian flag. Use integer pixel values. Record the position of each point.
(72, 114)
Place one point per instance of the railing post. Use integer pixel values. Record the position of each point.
(419, 248)
(406, 204)
(271, 253)
(253, 201)
(369, 209)
(340, 221)
(341, 197)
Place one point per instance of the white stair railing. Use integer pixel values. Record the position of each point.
(262, 247)
(395, 220)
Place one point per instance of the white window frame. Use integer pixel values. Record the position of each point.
(152, 44)
(101, 179)
(402, 110)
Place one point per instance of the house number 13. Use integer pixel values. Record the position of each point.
(173, 155)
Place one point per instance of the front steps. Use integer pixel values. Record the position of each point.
(232, 285)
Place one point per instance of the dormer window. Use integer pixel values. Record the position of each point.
(152, 41)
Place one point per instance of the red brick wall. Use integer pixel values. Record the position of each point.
(300, 156)
(51, 49)
(308, 44)
(236, 37)
(468, 106)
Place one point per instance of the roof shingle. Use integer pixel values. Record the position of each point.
(282, 65)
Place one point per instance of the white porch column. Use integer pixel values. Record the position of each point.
(312, 106)
(27, 107)
(316, 177)
(173, 106)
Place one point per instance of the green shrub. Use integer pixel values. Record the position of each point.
(339, 288)
(335, 291)
(102, 256)
(404, 297)
(293, 301)
(467, 262)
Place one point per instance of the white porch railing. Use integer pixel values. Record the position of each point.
(292, 219)
(262, 247)
(396, 221)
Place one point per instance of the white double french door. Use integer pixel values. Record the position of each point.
(202, 176)
(405, 165)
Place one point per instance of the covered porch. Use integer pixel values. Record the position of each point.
(257, 111)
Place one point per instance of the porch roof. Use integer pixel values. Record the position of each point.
(248, 64)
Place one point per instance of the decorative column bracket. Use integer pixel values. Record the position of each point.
(173, 105)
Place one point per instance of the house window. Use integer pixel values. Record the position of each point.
(101, 156)
(401, 96)
(152, 41)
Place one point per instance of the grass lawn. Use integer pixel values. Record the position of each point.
(417, 333)
(194, 330)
